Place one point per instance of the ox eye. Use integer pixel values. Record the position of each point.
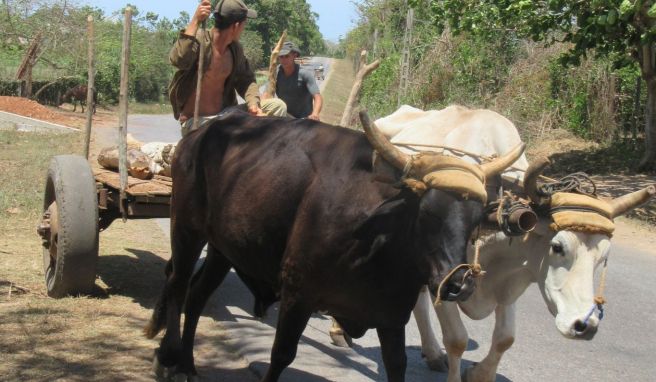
(557, 248)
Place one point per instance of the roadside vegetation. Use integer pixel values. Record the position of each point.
(524, 60)
(63, 49)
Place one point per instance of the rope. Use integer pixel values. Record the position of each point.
(457, 152)
(599, 299)
(578, 182)
(474, 269)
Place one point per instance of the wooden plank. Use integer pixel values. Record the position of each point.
(136, 187)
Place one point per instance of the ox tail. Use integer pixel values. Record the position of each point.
(158, 319)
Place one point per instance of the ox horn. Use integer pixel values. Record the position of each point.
(381, 144)
(497, 166)
(531, 178)
(626, 203)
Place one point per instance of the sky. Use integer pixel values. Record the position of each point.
(336, 17)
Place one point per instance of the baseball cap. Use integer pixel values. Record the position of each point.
(234, 10)
(288, 47)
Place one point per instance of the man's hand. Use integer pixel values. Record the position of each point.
(314, 117)
(203, 11)
(255, 110)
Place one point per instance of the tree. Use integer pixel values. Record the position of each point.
(623, 30)
(274, 16)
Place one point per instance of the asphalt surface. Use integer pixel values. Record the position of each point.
(10, 121)
(623, 349)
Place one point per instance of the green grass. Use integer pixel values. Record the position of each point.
(337, 91)
(150, 108)
(24, 160)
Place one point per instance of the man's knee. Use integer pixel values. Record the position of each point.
(274, 107)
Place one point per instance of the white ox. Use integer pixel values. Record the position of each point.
(561, 262)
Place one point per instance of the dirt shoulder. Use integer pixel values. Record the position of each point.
(91, 339)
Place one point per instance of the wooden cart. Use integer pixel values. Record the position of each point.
(80, 202)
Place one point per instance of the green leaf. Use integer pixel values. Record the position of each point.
(652, 11)
(612, 17)
(601, 20)
(626, 8)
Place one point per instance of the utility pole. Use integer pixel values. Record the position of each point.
(404, 77)
(375, 48)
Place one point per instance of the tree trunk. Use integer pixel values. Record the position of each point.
(648, 161)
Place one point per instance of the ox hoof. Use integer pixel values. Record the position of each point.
(162, 373)
(341, 339)
(185, 378)
(169, 374)
(472, 374)
(440, 364)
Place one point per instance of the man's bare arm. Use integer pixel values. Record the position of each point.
(202, 13)
(316, 106)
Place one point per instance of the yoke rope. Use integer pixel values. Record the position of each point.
(578, 182)
(474, 269)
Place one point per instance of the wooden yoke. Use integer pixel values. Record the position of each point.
(273, 64)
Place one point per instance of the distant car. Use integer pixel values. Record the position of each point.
(318, 72)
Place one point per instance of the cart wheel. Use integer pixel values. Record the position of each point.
(70, 227)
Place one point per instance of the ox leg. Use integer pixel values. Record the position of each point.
(454, 335)
(430, 348)
(211, 275)
(392, 344)
(186, 248)
(502, 339)
(292, 320)
(338, 336)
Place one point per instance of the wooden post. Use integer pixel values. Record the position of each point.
(405, 56)
(273, 65)
(375, 48)
(636, 111)
(199, 76)
(364, 71)
(90, 86)
(123, 111)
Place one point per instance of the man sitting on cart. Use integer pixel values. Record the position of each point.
(226, 68)
(296, 86)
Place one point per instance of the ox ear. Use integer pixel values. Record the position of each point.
(391, 215)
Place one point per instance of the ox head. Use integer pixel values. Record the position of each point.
(449, 196)
(580, 228)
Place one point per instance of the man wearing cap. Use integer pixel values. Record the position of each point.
(296, 86)
(226, 68)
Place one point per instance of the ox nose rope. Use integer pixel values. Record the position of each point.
(599, 299)
(474, 269)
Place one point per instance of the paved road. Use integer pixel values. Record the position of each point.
(623, 350)
(17, 122)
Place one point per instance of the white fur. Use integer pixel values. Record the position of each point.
(565, 279)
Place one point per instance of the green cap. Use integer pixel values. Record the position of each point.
(288, 47)
(234, 10)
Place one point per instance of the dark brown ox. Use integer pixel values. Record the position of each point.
(295, 208)
(78, 94)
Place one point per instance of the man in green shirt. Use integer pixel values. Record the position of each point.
(226, 69)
